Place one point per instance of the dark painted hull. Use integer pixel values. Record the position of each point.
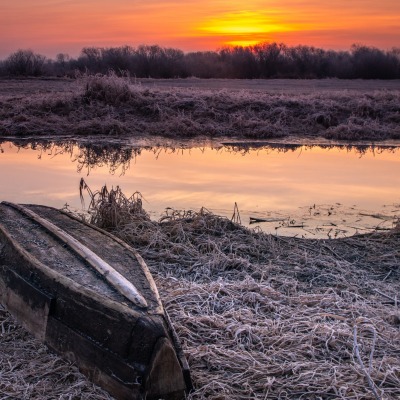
(49, 282)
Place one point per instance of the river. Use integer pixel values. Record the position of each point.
(296, 190)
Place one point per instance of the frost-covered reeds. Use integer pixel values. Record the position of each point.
(259, 316)
(271, 317)
(112, 105)
(111, 208)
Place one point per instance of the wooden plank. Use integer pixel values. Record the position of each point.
(164, 378)
(29, 305)
(18, 259)
(139, 258)
(114, 374)
(117, 280)
(145, 334)
(126, 260)
(111, 329)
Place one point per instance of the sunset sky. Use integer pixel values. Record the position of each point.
(54, 26)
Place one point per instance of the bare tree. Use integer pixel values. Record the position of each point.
(25, 63)
(264, 60)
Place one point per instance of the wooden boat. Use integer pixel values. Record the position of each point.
(91, 298)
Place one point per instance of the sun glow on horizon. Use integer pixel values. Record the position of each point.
(243, 43)
(51, 27)
(243, 28)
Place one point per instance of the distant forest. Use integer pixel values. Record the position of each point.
(265, 60)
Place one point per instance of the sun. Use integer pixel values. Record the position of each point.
(243, 43)
(242, 28)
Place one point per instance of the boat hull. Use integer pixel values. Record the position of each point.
(127, 347)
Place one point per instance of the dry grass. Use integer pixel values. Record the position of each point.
(110, 105)
(267, 317)
(260, 316)
(109, 89)
(111, 208)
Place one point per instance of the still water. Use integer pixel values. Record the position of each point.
(310, 191)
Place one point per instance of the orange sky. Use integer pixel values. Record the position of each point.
(53, 26)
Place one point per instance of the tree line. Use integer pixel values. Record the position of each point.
(264, 60)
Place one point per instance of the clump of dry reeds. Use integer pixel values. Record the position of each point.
(111, 209)
(109, 89)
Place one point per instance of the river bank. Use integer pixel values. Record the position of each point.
(259, 316)
(110, 105)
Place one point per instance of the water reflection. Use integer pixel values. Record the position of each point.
(360, 149)
(290, 189)
(85, 156)
(118, 157)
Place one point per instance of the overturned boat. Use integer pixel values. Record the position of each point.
(91, 298)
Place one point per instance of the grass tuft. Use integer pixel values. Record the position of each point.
(110, 89)
(110, 209)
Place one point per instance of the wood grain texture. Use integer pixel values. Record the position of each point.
(129, 350)
(117, 280)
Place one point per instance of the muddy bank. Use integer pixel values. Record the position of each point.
(117, 106)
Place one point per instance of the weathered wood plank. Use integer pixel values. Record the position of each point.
(106, 369)
(139, 258)
(164, 378)
(27, 303)
(40, 275)
(117, 280)
(111, 329)
(104, 320)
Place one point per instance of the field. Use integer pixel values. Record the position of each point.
(251, 109)
(12, 87)
(259, 316)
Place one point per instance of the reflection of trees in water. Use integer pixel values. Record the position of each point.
(248, 147)
(90, 156)
(118, 157)
(87, 156)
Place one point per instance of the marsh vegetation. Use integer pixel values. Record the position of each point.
(284, 189)
(259, 316)
(112, 105)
